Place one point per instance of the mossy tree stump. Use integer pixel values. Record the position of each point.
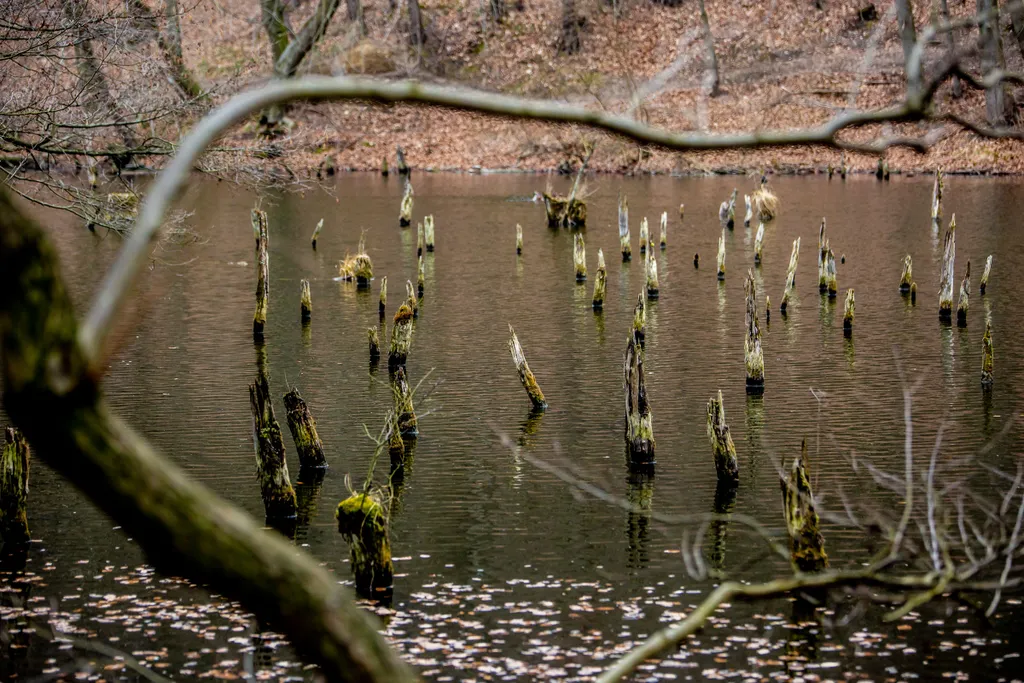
(405, 209)
(963, 302)
(753, 355)
(259, 319)
(14, 466)
(302, 425)
(663, 228)
(404, 410)
(525, 374)
(624, 247)
(401, 338)
(807, 545)
(599, 282)
(787, 294)
(305, 302)
(271, 465)
(382, 306)
(722, 447)
(579, 257)
(651, 270)
(362, 521)
(848, 311)
(640, 442)
(947, 281)
(374, 341)
(907, 277)
(987, 378)
(758, 243)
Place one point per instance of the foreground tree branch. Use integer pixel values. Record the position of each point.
(183, 527)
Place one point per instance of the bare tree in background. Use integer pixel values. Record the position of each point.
(711, 83)
(951, 43)
(998, 102)
(417, 36)
(355, 15)
(1016, 10)
(569, 37)
(905, 23)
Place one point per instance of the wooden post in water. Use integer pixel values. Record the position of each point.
(371, 334)
(831, 282)
(752, 353)
(722, 447)
(639, 420)
(428, 232)
(937, 199)
(303, 428)
(749, 213)
(305, 301)
(401, 338)
(986, 273)
(384, 166)
(519, 239)
(651, 263)
(403, 168)
(908, 274)
(848, 313)
(411, 299)
(790, 276)
(964, 300)
(579, 257)
(271, 465)
(822, 257)
(721, 256)
(947, 280)
(913, 292)
(419, 238)
(404, 410)
(316, 231)
(405, 210)
(758, 243)
(806, 544)
(382, 306)
(259, 319)
(363, 266)
(420, 277)
(663, 238)
(682, 213)
(364, 525)
(599, 282)
(696, 260)
(14, 466)
(640, 321)
(257, 218)
(396, 445)
(525, 374)
(767, 309)
(645, 235)
(987, 378)
(627, 252)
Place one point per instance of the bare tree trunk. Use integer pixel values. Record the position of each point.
(169, 40)
(416, 34)
(98, 101)
(569, 41)
(498, 10)
(711, 82)
(355, 15)
(905, 23)
(272, 14)
(1017, 17)
(958, 89)
(998, 103)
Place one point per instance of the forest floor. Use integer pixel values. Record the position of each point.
(784, 65)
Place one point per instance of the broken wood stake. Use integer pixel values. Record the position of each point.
(316, 231)
(599, 282)
(303, 428)
(579, 257)
(627, 252)
(271, 465)
(722, 447)
(525, 374)
(305, 301)
(14, 468)
(364, 525)
(806, 544)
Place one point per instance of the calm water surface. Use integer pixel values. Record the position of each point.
(503, 570)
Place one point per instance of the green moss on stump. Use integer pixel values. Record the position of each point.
(363, 523)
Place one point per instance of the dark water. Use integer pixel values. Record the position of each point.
(503, 570)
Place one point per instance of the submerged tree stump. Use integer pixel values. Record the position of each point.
(401, 338)
(986, 273)
(947, 279)
(259, 319)
(303, 428)
(421, 277)
(937, 199)
(848, 313)
(758, 243)
(794, 257)
(651, 269)
(14, 467)
(963, 302)
(908, 274)
(419, 238)
(806, 544)
(722, 447)
(404, 410)
(579, 257)
(316, 231)
(749, 215)
(374, 340)
(565, 212)
(987, 378)
(271, 465)
(428, 232)
(382, 306)
(403, 168)
(831, 282)
(721, 256)
(525, 374)
(663, 238)
(405, 209)
(624, 247)
(363, 522)
(519, 239)
(822, 259)
(752, 353)
(639, 421)
(645, 235)
(305, 301)
(599, 282)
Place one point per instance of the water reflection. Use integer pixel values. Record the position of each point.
(640, 495)
(724, 503)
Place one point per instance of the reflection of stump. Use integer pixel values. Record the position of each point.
(640, 495)
(271, 466)
(303, 428)
(725, 501)
(14, 465)
(362, 522)
(807, 545)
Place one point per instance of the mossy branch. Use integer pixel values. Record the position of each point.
(183, 527)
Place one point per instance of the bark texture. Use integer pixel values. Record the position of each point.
(998, 102)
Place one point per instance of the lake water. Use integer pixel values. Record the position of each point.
(503, 570)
